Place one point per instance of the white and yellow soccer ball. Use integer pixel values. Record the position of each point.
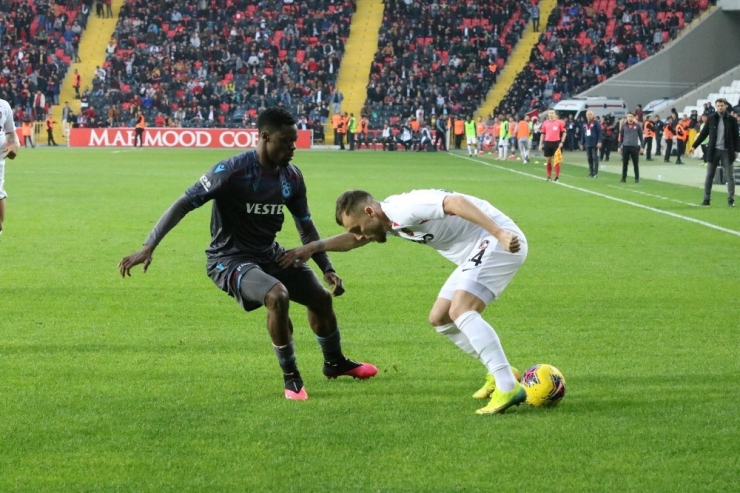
(545, 385)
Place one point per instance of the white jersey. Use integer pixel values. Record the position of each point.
(419, 216)
(6, 122)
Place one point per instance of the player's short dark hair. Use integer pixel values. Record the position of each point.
(351, 202)
(273, 118)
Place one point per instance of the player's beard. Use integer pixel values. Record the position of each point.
(380, 236)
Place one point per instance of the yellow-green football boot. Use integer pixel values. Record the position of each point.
(501, 401)
(490, 385)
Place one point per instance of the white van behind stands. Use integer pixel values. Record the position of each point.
(600, 106)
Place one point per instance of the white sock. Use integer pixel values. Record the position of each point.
(486, 343)
(470, 150)
(461, 340)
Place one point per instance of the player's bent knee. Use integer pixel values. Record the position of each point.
(458, 310)
(438, 319)
(277, 298)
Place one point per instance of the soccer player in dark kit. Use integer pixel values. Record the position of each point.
(250, 192)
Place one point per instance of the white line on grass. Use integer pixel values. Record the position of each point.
(655, 196)
(605, 196)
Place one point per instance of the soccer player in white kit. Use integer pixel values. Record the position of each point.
(9, 145)
(485, 244)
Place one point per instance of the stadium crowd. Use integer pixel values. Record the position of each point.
(219, 62)
(38, 40)
(440, 57)
(587, 41)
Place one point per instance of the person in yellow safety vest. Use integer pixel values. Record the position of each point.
(50, 131)
(523, 135)
(470, 137)
(503, 138)
(682, 133)
(480, 129)
(342, 129)
(336, 120)
(139, 129)
(648, 132)
(27, 132)
(459, 131)
(668, 137)
(351, 131)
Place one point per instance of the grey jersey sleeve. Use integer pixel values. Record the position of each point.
(169, 220)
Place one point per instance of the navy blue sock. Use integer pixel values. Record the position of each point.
(286, 358)
(331, 346)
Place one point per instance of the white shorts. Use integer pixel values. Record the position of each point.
(472, 140)
(2, 179)
(486, 275)
(503, 142)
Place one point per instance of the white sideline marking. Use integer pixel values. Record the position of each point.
(605, 196)
(655, 196)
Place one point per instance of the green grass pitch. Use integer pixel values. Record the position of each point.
(161, 383)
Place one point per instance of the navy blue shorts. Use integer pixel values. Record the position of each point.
(248, 282)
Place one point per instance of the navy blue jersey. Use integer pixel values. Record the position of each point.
(248, 202)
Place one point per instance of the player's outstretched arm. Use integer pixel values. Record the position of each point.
(169, 220)
(461, 206)
(339, 243)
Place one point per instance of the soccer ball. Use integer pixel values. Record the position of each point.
(545, 385)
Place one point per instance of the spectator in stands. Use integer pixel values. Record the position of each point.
(39, 106)
(404, 136)
(534, 11)
(587, 45)
(336, 99)
(425, 142)
(386, 137)
(639, 113)
(318, 132)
